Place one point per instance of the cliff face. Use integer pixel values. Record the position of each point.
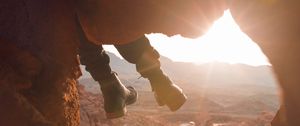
(35, 93)
(38, 63)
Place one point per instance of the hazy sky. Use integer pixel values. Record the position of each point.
(223, 42)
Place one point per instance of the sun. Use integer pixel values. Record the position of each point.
(223, 42)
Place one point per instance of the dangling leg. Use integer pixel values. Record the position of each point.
(146, 59)
(116, 95)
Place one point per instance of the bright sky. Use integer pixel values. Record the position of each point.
(224, 42)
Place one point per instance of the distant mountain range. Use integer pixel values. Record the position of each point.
(193, 76)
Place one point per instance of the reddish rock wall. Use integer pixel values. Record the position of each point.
(46, 31)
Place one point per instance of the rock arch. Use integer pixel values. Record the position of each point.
(46, 31)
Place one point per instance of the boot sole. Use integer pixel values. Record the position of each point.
(134, 93)
(128, 101)
(115, 115)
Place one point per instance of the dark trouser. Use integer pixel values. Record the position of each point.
(142, 54)
(138, 52)
(95, 60)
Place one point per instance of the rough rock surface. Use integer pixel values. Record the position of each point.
(38, 64)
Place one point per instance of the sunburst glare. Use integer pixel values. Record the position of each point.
(224, 42)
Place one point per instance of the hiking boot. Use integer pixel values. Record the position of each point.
(166, 92)
(116, 96)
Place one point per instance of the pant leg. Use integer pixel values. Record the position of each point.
(142, 54)
(94, 58)
(146, 59)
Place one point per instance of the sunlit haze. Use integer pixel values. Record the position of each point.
(224, 42)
